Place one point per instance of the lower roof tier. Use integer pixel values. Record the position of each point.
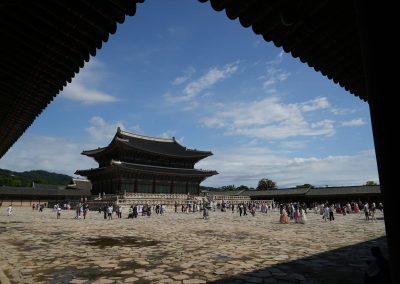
(138, 168)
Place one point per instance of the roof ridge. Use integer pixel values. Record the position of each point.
(145, 137)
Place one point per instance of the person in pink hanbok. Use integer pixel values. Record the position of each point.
(284, 219)
(356, 208)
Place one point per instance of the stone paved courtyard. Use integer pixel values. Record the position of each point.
(184, 248)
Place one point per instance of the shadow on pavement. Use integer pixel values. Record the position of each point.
(344, 265)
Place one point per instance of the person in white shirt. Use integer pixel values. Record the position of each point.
(58, 212)
(9, 210)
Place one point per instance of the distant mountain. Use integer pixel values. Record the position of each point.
(12, 178)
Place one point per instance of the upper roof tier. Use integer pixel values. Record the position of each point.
(153, 145)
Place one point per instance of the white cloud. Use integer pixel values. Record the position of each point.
(187, 74)
(293, 145)
(58, 154)
(353, 122)
(247, 165)
(274, 74)
(342, 111)
(102, 131)
(270, 119)
(85, 86)
(53, 154)
(316, 104)
(192, 89)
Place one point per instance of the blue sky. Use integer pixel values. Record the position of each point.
(178, 68)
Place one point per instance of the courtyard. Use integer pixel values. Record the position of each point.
(184, 248)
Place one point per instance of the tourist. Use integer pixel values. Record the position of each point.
(9, 210)
(109, 212)
(296, 215)
(130, 212)
(372, 211)
(105, 211)
(120, 212)
(326, 213)
(77, 211)
(58, 212)
(205, 212)
(303, 217)
(85, 211)
(356, 208)
(284, 219)
(366, 211)
(331, 209)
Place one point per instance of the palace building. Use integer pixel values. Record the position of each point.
(134, 163)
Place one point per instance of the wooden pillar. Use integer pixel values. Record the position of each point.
(377, 58)
(187, 187)
(153, 189)
(171, 191)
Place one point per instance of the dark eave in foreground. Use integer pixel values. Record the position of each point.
(45, 43)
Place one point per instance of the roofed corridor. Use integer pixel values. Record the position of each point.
(184, 248)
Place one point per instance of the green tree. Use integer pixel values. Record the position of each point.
(306, 185)
(228, 187)
(266, 184)
(371, 182)
(242, 187)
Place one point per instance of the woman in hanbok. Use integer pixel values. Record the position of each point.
(284, 217)
(356, 208)
(303, 217)
(296, 215)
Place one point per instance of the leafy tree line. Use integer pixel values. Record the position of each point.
(11, 178)
(264, 184)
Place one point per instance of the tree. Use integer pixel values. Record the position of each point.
(371, 182)
(242, 187)
(228, 187)
(266, 184)
(306, 185)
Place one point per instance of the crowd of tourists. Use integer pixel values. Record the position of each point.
(289, 212)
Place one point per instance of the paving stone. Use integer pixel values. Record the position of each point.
(188, 249)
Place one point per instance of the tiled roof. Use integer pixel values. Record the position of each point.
(154, 145)
(276, 192)
(223, 192)
(345, 190)
(40, 186)
(315, 192)
(53, 192)
(80, 184)
(150, 169)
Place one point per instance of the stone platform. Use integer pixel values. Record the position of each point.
(184, 248)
